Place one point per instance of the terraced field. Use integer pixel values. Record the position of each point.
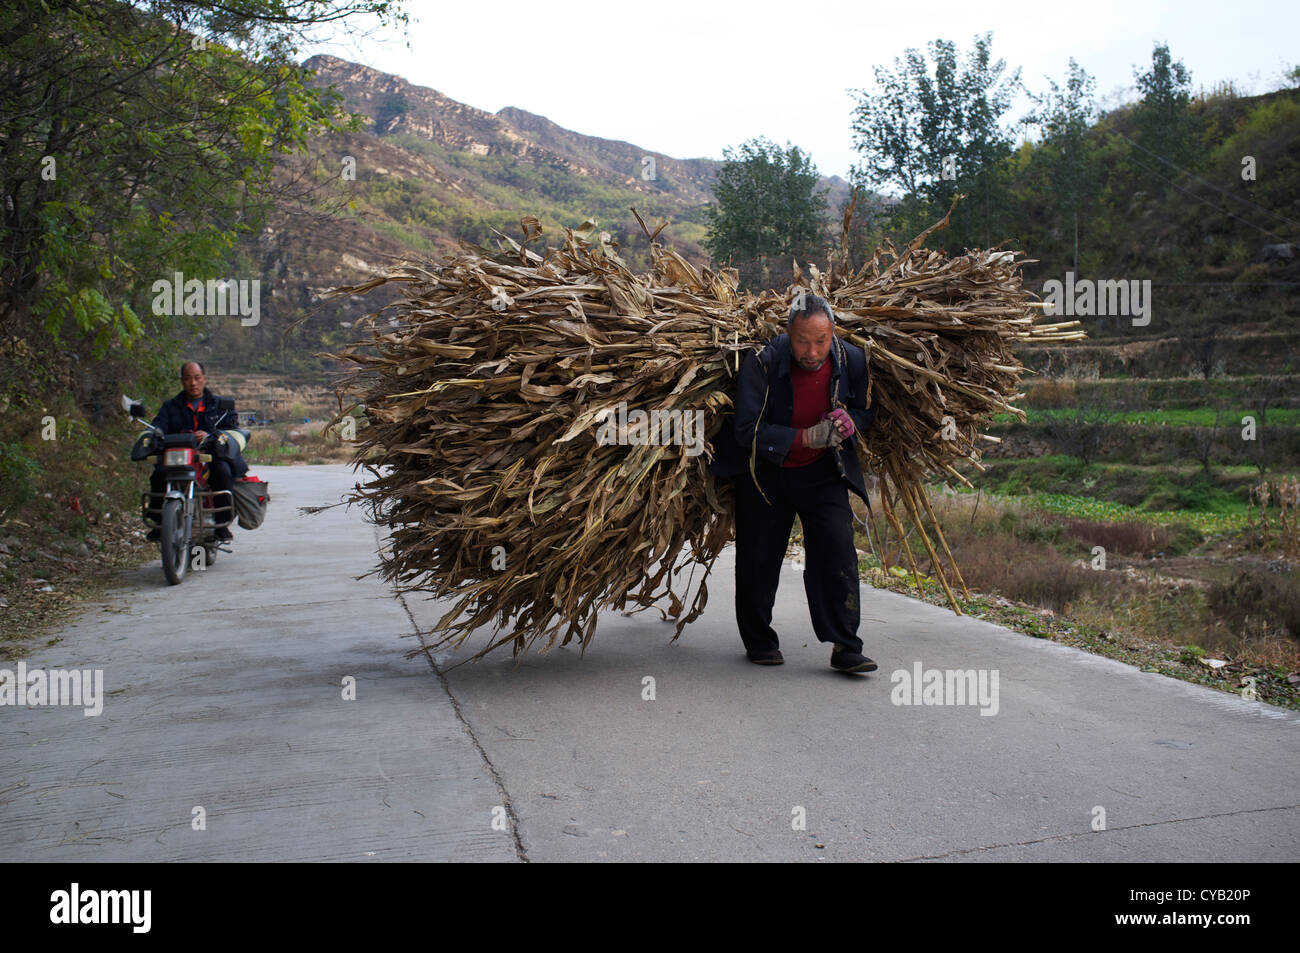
(1146, 508)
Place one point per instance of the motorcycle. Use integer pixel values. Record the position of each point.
(185, 510)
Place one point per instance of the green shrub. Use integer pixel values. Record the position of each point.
(18, 476)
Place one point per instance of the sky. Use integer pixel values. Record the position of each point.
(688, 78)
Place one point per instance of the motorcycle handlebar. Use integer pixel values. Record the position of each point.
(203, 446)
(225, 403)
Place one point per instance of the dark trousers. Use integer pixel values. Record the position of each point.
(220, 477)
(820, 498)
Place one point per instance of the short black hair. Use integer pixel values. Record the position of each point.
(188, 363)
(809, 304)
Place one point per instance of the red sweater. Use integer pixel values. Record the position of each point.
(812, 400)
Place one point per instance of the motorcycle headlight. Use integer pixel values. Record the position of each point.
(176, 458)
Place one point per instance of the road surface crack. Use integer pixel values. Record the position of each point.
(469, 730)
(1071, 836)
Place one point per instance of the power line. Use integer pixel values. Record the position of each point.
(1193, 175)
(1204, 201)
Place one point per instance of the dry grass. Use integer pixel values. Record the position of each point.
(1258, 605)
(1150, 606)
(1027, 572)
(1124, 537)
(1279, 521)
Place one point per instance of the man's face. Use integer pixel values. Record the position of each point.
(810, 340)
(193, 381)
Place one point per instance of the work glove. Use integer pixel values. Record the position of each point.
(824, 433)
(843, 421)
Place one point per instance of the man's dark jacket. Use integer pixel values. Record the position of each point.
(768, 373)
(175, 417)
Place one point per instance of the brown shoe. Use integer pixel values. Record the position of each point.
(766, 657)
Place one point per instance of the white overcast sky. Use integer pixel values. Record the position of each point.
(689, 77)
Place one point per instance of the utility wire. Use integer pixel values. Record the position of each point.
(1205, 201)
(1109, 128)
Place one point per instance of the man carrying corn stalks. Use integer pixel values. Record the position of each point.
(800, 405)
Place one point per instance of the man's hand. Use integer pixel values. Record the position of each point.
(843, 422)
(824, 433)
(201, 435)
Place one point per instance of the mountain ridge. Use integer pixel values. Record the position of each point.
(426, 173)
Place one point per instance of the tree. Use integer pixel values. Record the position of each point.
(768, 212)
(1202, 346)
(138, 139)
(932, 129)
(1165, 126)
(1203, 441)
(1083, 430)
(1064, 116)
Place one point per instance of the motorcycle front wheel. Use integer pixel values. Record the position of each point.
(173, 541)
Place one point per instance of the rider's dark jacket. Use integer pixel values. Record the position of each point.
(181, 415)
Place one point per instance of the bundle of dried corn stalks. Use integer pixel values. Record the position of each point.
(505, 481)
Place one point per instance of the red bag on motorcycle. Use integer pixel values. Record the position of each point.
(251, 497)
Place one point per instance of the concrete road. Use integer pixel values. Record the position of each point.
(227, 733)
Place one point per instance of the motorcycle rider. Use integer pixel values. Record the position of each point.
(194, 410)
